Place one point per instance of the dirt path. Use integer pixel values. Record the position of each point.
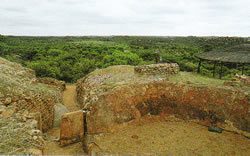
(52, 147)
(69, 98)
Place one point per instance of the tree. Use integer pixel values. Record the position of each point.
(3, 49)
(2, 38)
(45, 69)
(122, 58)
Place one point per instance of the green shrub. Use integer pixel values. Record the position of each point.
(121, 58)
(69, 58)
(45, 69)
(189, 66)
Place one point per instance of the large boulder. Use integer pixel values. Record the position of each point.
(72, 128)
(60, 109)
(117, 95)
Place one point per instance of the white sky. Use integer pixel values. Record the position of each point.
(125, 17)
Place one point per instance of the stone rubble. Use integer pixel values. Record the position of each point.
(243, 79)
(238, 81)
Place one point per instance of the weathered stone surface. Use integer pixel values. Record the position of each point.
(71, 128)
(7, 101)
(17, 90)
(116, 95)
(60, 109)
(24, 106)
(163, 68)
(35, 132)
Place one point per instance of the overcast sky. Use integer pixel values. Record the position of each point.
(125, 17)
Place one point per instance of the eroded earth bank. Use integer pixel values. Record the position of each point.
(158, 110)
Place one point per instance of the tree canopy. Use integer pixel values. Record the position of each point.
(70, 58)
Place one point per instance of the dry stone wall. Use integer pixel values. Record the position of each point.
(163, 68)
(19, 89)
(25, 104)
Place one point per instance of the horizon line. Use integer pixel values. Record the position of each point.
(123, 35)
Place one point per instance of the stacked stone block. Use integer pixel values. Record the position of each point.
(163, 68)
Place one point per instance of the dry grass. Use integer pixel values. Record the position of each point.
(17, 80)
(193, 78)
(125, 74)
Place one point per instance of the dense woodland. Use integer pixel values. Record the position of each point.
(70, 58)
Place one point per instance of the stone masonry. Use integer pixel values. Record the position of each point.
(163, 68)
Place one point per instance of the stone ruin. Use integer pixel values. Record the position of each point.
(118, 94)
(162, 68)
(115, 96)
(26, 108)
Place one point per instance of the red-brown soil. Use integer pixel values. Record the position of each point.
(154, 136)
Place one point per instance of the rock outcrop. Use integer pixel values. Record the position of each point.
(117, 95)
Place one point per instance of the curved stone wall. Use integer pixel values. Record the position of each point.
(116, 95)
(20, 91)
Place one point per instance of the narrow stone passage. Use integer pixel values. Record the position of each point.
(52, 146)
(69, 98)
